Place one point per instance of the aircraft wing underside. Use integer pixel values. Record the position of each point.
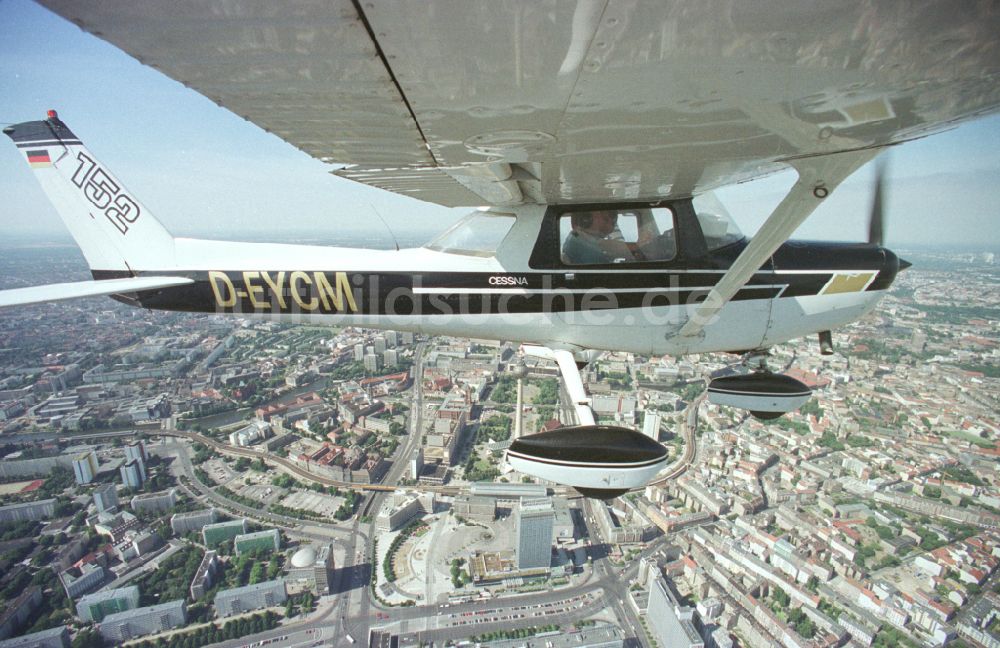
(77, 289)
(568, 101)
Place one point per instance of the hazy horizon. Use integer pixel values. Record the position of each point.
(62, 240)
(193, 163)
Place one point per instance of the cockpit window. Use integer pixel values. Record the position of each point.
(604, 236)
(478, 234)
(716, 223)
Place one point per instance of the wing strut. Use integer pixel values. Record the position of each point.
(818, 177)
(571, 375)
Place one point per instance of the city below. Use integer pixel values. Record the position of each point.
(181, 480)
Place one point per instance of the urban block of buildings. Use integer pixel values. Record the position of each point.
(250, 597)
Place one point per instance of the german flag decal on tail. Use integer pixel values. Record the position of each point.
(39, 159)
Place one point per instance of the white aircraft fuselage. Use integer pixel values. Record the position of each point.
(815, 287)
(502, 273)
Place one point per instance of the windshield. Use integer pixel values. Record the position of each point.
(478, 234)
(716, 224)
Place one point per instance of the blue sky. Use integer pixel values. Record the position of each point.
(204, 171)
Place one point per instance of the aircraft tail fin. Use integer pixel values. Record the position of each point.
(115, 232)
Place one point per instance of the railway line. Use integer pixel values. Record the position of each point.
(688, 427)
(293, 468)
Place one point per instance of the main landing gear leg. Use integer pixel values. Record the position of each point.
(756, 361)
(566, 362)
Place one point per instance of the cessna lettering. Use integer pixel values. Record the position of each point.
(298, 290)
(507, 280)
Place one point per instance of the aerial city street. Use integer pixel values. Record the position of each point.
(174, 479)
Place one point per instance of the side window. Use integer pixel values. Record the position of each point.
(716, 223)
(603, 236)
(478, 234)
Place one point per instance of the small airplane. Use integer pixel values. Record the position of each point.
(594, 133)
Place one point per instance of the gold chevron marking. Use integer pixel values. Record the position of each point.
(847, 282)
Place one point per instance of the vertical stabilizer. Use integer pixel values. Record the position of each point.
(114, 230)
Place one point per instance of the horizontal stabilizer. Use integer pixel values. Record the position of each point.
(76, 289)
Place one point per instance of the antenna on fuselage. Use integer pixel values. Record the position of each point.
(386, 226)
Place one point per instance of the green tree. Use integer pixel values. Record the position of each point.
(505, 390)
(88, 638)
(548, 392)
(806, 627)
(257, 573)
(781, 597)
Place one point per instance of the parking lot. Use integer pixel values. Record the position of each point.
(320, 504)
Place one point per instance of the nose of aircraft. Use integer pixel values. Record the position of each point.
(891, 266)
(892, 262)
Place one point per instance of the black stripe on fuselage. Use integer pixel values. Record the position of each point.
(804, 285)
(665, 279)
(315, 292)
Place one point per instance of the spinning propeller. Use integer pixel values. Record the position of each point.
(876, 218)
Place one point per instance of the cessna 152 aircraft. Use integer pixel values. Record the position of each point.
(594, 131)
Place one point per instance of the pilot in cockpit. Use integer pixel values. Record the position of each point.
(592, 239)
(595, 238)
